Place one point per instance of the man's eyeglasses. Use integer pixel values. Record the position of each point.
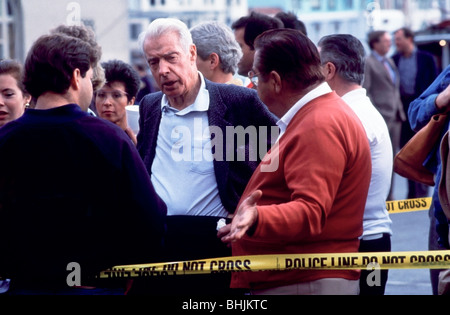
(253, 76)
(116, 95)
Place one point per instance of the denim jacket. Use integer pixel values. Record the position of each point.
(419, 113)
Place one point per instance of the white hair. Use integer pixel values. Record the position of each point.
(162, 26)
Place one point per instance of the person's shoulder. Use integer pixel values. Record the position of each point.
(102, 130)
(151, 98)
(231, 94)
(229, 88)
(370, 62)
(424, 54)
(9, 130)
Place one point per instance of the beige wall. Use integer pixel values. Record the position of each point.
(109, 17)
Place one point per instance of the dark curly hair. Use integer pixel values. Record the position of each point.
(119, 71)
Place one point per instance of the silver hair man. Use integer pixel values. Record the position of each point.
(216, 37)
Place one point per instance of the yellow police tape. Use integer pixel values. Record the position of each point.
(408, 205)
(381, 260)
(348, 261)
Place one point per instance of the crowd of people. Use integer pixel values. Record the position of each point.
(289, 142)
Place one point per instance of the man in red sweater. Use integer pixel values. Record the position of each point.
(313, 201)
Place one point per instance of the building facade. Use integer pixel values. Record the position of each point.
(23, 21)
(11, 30)
(358, 17)
(118, 23)
(191, 12)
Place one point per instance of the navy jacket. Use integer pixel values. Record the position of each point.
(230, 106)
(426, 70)
(73, 189)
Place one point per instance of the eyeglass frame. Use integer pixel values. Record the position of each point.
(110, 93)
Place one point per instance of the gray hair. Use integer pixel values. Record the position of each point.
(347, 53)
(216, 37)
(162, 26)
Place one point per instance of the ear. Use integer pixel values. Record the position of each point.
(75, 82)
(329, 70)
(214, 61)
(26, 99)
(131, 102)
(193, 53)
(275, 81)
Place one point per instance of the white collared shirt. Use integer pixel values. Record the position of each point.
(183, 170)
(376, 218)
(322, 89)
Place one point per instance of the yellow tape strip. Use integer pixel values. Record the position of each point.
(348, 261)
(408, 205)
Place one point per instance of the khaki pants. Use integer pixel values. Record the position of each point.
(327, 286)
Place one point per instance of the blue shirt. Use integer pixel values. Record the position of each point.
(407, 67)
(184, 159)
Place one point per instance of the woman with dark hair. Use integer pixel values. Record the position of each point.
(120, 90)
(13, 96)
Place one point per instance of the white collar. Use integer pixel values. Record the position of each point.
(201, 103)
(322, 89)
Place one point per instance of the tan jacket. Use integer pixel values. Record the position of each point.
(384, 94)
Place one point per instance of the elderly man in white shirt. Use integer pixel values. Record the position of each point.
(189, 140)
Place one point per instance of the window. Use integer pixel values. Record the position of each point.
(315, 5)
(296, 5)
(332, 6)
(8, 26)
(135, 31)
(336, 26)
(348, 4)
(135, 5)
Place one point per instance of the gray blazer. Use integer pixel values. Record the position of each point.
(384, 95)
(230, 106)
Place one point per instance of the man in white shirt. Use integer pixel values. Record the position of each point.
(343, 61)
(191, 144)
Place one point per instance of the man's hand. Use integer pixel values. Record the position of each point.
(246, 217)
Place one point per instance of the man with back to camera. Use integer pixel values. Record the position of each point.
(75, 189)
(343, 59)
(314, 201)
